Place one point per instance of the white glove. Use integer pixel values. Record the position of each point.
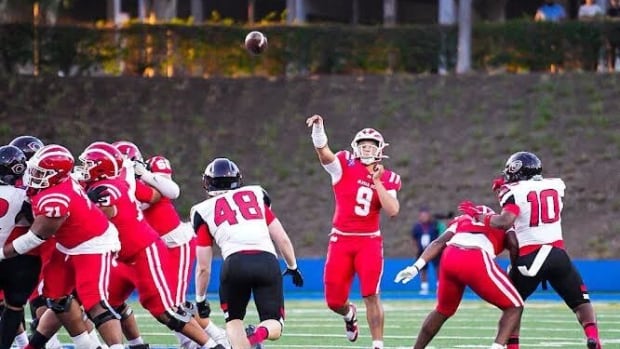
(139, 168)
(407, 274)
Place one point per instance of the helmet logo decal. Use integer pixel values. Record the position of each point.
(18, 168)
(34, 146)
(515, 166)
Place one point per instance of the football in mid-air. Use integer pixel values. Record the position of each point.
(255, 42)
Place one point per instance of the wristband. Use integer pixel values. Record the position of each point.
(319, 138)
(419, 264)
(293, 267)
(200, 298)
(27, 242)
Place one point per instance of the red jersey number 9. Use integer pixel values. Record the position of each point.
(362, 201)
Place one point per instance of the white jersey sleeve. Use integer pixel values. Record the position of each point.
(237, 220)
(540, 206)
(11, 202)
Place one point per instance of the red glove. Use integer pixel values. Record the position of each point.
(470, 209)
(498, 182)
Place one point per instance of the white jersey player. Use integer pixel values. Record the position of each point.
(240, 221)
(533, 205)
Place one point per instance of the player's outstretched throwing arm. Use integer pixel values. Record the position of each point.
(319, 140)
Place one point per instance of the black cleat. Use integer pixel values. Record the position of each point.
(592, 343)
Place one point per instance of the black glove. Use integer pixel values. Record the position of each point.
(204, 309)
(98, 194)
(298, 280)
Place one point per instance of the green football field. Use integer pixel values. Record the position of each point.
(310, 325)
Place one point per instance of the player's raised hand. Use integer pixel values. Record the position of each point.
(298, 280)
(497, 183)
(314, 119)
(377, 171)
(470, 209)
(407, 274)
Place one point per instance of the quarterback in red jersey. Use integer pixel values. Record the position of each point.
(362, 187)
(469, 248)
(81, 261)
(142, 248)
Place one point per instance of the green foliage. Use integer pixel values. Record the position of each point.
(217, 49)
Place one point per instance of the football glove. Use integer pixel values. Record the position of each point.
(139, 168)
(470, 209)
(298, 280)
(98, 194)
(407, 274)
(204, 309)
(498, 182)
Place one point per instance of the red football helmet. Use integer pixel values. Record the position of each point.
(368, 153)
(129, 150)
(100, 160)
(49, 166)
(159, 164)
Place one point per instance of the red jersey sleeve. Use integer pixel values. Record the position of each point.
(159, 164)
(144, 192)
(269, 216)
(52, 205)
(204, 238)
(391, 181)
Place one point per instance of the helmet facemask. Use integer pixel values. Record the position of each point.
(368, 146)
(38, 177)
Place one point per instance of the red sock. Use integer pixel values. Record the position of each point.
(28, 346)
(591, 330)
(260, 334)
(513, 342)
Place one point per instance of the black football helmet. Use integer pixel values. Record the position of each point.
(221, 174)
(28, 145)
(12, 164)
(521, 166)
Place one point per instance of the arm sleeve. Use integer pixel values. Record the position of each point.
(335, 168)
(266, 199)
(269, 216)
(144, 193)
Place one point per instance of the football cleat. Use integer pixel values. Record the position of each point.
(350, 327)
(593, 344)
(250, 331)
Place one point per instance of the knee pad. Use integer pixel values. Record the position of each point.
(60, 305)
(35, 304)
(124, 310)
(177, 320)
(107, 315)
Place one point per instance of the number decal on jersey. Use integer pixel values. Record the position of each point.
(246, 202)
(52, 212)
(163, 164)
(363, 200)
(4, 207)
(540, 205)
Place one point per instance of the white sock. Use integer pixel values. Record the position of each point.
(212, 329)
(53, 342)
(83, 341)
(135, 341)
(181, 337)
(21, 340)
(117, 346)
(377, 344)
(94, 337)
(424, 286)
(497, 346)
(349, 315)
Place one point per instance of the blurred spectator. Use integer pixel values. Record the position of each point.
(550, 11)
(589, 10)
(612, 42)
(425, 230)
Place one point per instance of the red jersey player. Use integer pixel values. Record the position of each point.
(362, 187)
(160, 213)
(142, 249)
(85, 245)
(469, 249)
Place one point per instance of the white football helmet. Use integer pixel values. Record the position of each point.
(368, 154)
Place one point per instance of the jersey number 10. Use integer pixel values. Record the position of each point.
(539, 207)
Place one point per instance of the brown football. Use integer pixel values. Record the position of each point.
(255, 42)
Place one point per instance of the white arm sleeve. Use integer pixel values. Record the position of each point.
(166, 186)
(334, 169)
